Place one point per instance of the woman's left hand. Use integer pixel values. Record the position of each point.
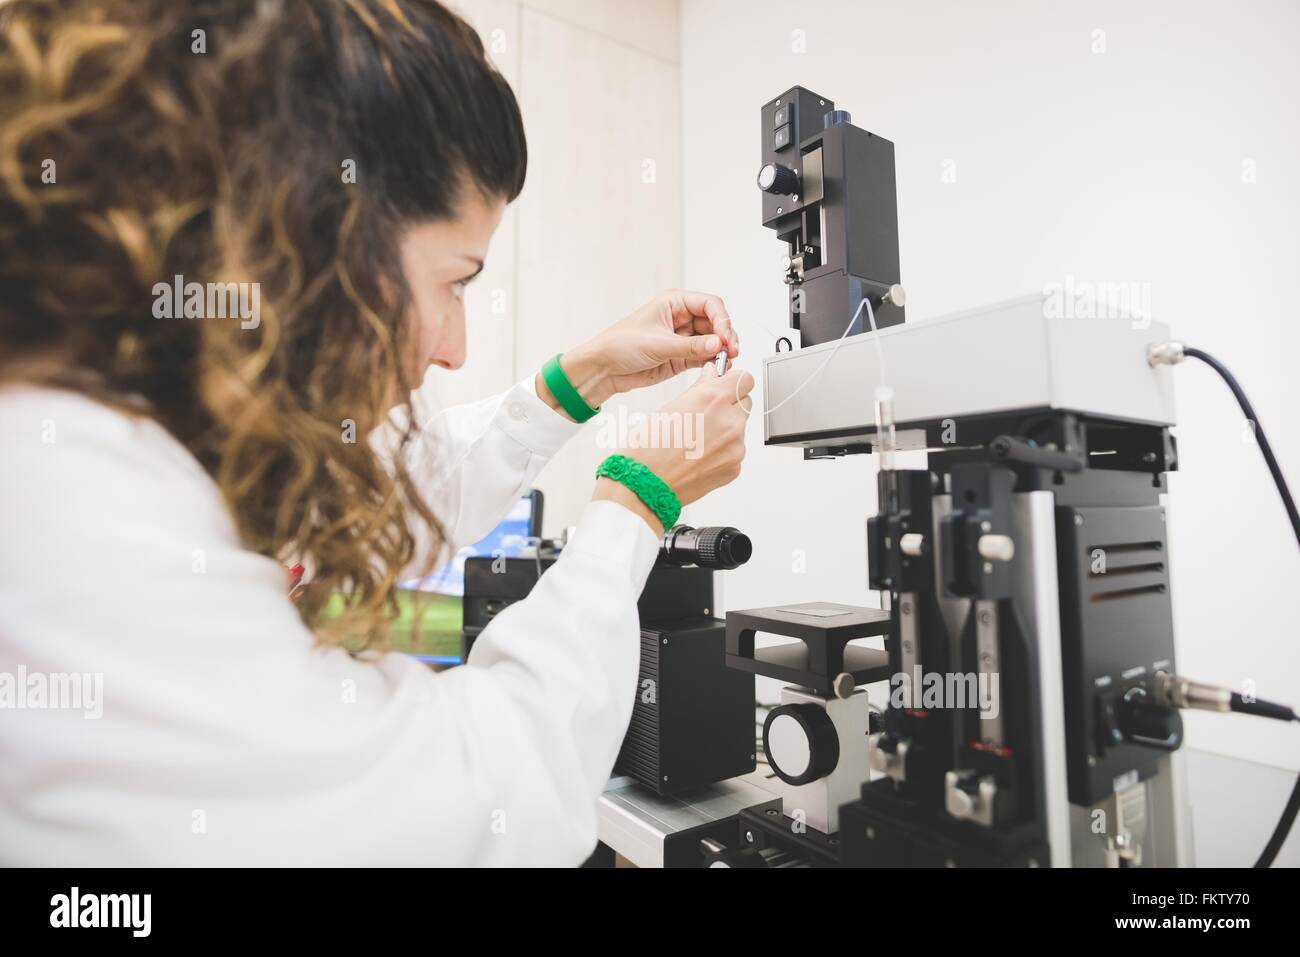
(675, 331)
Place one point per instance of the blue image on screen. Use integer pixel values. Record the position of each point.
(508, 540)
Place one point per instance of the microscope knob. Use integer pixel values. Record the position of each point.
(1142, 721)
(836, 117)
(875, 722)
(777, 179)
(801, 743)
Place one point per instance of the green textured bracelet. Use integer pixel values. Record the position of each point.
(570, 399)
(649, 488)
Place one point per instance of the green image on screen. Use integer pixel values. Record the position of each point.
(428, 624)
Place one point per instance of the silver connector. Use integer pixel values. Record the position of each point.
(912, 544)
(1175, 692)
(963, 805)
(996, 548)
(896, 295)
(892, 764)
(1124, 816)
(1165, 354)
(886, 439)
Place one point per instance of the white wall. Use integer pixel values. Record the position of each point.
(1171, 159)
(597, 230)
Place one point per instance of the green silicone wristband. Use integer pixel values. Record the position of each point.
(569, 398)
(649, 488)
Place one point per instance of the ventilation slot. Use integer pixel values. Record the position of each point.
(1127, 593)
(1121, 548)
(1112, 570)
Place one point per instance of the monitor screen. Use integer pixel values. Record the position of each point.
(508, 540)
(432, 614)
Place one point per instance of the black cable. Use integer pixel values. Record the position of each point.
(1261, 709)
(1264, 447)
(1293, 804)
(1283, 828)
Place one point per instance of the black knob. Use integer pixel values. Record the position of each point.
(835, 118)
(778, 179)
(1142, 721)
(801, 743)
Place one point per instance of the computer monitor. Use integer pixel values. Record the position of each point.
(436, 601)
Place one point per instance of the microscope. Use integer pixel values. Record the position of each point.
(1024, 636)
(1023, 570)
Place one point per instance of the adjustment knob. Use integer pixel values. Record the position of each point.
(1143, 721)
(801, 743)
(778, 179)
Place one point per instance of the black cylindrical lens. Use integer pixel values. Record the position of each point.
(718, 546)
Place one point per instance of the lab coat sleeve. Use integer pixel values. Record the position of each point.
(472, 462)
(225, 734)
(548, 691)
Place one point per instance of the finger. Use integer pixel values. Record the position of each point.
(691, 348)
(743, 383)
(707, 371)
(703, 305)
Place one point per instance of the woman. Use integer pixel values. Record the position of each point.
(233, 238)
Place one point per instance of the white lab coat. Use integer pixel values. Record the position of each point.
(227, 736)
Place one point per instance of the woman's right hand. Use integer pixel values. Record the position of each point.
(710, 417)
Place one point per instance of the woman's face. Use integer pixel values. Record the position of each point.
(439, 260)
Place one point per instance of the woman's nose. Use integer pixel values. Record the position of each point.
(450, 353)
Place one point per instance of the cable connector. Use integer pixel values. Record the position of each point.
(1165, 354)
(1173, 691)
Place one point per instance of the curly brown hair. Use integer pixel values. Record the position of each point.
(146, 139)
